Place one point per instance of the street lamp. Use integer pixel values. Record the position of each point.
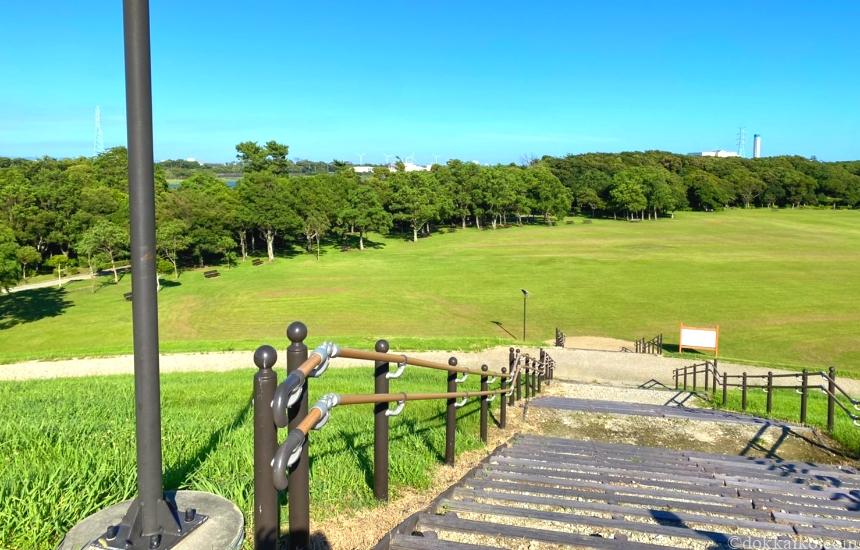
(525, 295)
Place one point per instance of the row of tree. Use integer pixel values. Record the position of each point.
(656, 182)
(73, 213)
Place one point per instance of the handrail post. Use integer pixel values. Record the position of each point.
(520, 373)
(675, 376)
(707, 372)
(804, 393)
(539, 373)
(267, 517)
(484, 405)
(686, 369)
(769, 392)
(299, 477)
(716, 374)
(451, 416)
(744, 393)
(695, 370)
(503, 405)
(725, 389)
(527, 371)
(831, 397)
(511, 365)
(380, 426)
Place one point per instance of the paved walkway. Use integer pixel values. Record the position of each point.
(671, 409)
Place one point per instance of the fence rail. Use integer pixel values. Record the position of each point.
(654, 346)
(688, 376)
(286, 466)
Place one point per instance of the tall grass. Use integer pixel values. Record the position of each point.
(67, 445)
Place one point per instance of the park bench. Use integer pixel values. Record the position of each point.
(257, 261)
(211, 273)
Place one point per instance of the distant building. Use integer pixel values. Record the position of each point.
(757, 146)
(718, 153)
(412, 167)
(363, 169)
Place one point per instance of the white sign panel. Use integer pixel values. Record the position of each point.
(699, 338)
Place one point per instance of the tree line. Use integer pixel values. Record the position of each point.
(72, 214)
(655, 183)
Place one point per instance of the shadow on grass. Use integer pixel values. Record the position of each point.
(178, 475)
(501, 326)
(28, 306)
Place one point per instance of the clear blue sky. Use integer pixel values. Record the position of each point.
(486, 81)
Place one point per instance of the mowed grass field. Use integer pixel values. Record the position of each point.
(67, 446)
(784, 286)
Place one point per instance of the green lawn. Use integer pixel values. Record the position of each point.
(67, 445)
(786, 406)
(784, 285)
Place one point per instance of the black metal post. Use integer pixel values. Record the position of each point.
(451, 416)
(831, 398)
(707, 373)
(695, 371)
(541, 367)
(804, 393)
(484, 405)
(299, 477)
(380, 426)
(511, 365)
(525, 297)
(675, 376)
(744, 393)
(267, 516)
(685, 377)
(725, 389)
(503, 406)
(769, 391)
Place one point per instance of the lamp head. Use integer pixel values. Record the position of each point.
(524, 291)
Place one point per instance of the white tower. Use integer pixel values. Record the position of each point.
(98, 140)
(742, 141)
(756, 146)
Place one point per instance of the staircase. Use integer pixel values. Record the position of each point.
(547, 492)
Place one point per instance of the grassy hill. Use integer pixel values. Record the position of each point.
(784, 285)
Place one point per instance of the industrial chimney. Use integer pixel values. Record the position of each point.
(756, 146)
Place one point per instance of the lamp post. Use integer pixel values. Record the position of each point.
(525, 297)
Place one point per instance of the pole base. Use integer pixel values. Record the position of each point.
(221, 528)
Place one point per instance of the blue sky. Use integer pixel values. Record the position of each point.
(486, 81)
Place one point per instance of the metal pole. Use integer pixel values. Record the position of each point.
(685, 377)
(266, 508)
(725, 389)
(484, 406)
(695, 371)
(144, 302)
(380, 427)
(525, 296)
(542, 366)
(503, 406)
(769, 392)
(804, 389)
(707, 373)
(299, 478)
(831, 399)
(528, 374)
(451, 416)
(744, 393)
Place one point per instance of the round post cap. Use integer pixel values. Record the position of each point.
(265, 357)
(297, 332)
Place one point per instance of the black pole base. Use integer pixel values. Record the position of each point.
(128, 535)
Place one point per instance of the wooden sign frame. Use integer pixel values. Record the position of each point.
(714, 329)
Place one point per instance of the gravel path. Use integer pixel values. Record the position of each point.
(580, 365)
